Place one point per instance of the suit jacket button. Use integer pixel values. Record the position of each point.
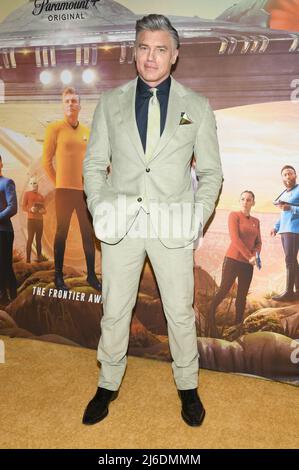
(148, 170)
(139, 199)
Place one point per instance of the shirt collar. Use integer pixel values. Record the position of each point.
(73, 127)
(291, 189)
(163, 87)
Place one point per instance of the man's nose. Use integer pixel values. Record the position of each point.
(151, 54)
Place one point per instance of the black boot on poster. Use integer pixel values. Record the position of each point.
(288, 294)
(210, 325)
(94, 282)
(193, 412)
(97, 408)
(59, 281)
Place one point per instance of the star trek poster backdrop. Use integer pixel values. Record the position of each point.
(244, 57)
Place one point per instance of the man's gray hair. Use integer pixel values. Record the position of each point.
(157, 23)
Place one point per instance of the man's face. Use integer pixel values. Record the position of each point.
(71, 106)
(155, 53)
(288, 177)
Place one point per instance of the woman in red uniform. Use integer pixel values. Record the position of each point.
(240, 258)
(33, 204)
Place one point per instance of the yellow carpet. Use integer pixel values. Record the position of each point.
(45, 387)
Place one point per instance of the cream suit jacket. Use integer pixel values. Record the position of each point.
(162, 182)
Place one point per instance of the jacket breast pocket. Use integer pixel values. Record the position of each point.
(186, 131)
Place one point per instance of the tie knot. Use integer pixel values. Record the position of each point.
(154, 92)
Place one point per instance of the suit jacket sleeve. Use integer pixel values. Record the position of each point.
(11, 201)
(97, 159)
(208, 164)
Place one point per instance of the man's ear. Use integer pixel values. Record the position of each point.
(175, 56)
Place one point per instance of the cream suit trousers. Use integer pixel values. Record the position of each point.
(121, 269)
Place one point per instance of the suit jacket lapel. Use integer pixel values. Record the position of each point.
(127, 108)
(175, 107)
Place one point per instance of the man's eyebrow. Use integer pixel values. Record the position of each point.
(147, 45)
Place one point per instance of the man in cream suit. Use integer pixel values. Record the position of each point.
(148, 130)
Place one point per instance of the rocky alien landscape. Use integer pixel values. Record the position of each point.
(264, 345)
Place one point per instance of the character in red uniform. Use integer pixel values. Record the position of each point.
(34, 205)
(240, 258)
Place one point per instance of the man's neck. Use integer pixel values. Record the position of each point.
(289, 188)
(154, 84)
(74, 122)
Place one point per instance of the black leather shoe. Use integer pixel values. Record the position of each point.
(97, 408)
(94, 282)
(193, 412)
(59, 282)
